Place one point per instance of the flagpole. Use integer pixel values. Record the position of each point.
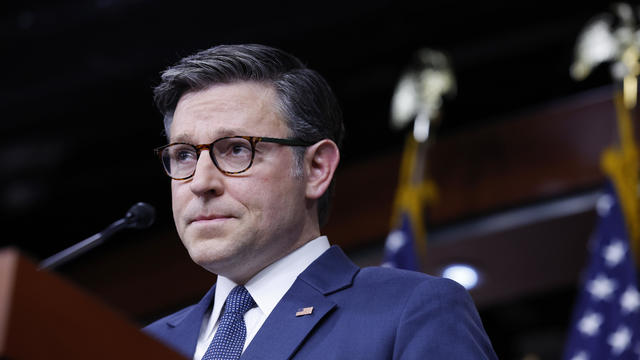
(598, 43)
(417, 101)
(620, 163)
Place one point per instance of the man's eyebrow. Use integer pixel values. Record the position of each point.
(181, 138)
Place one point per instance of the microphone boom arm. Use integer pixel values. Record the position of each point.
(82, 247)
(140, 215)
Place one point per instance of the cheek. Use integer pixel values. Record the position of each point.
(280, 195)
(174, 195)
(178, 200)
(261, 196)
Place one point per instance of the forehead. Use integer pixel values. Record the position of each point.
(242, 108)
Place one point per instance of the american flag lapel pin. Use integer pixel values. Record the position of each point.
(304, 311)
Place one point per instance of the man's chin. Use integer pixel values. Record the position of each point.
(208, 253)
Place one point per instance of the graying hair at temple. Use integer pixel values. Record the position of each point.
(306, 101)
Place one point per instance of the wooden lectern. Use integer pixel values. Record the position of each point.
(42, 316)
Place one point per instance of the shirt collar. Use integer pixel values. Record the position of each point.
(269, 285)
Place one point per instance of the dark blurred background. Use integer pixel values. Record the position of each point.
(79, 126)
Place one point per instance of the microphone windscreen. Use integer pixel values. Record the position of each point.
(141, 215)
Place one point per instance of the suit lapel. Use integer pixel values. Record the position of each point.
(185, 326)
(283, 332)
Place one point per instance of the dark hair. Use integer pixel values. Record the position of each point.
(305, 99)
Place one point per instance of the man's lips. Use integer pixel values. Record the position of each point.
(209, 218)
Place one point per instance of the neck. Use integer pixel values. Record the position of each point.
(247, 273)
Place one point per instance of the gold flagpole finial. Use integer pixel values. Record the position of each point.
(420, 91)
(611, 38)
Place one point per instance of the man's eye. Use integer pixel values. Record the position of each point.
(240, 150)
(233, 148)
(184, 155)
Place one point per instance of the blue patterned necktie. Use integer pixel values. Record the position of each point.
(229, 340)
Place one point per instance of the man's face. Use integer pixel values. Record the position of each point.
(235, 225)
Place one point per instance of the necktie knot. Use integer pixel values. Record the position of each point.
(239, 301)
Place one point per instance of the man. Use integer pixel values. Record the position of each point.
(254, 142)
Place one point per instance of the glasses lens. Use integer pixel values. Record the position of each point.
(179, 160)
(233, 154)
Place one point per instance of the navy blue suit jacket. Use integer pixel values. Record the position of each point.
(371, 313)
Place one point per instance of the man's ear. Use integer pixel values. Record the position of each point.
(321, 161)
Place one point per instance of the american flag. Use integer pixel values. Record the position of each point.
(606, 319)
(399, 249)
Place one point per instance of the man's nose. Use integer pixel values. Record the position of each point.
(207, 179)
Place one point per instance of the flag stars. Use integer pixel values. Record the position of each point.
(614, 253)
(601, 287)
(630, 300)
(620, 340)
(607, 324)
(604, 204)
(395, 240)
(590, 324)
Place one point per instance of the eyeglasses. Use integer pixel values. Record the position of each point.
(231, 154)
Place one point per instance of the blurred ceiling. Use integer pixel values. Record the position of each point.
(79, 123)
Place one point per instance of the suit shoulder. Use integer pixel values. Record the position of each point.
(428, 307)
(383, 276)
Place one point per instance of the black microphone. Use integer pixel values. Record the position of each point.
(139, 216)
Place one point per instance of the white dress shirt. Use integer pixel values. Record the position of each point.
(267, 288)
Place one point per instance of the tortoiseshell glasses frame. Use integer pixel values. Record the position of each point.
(230, 154)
